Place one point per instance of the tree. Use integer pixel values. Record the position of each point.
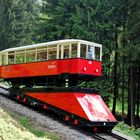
(18, 22)
(133, 36)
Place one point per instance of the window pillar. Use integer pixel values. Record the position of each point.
(62, 51)
(57, 57)
(70, 51)
(101, 53)
(78, 52)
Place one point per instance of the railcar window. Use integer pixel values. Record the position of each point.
(52, 52)
(74, 50)
(66, 51)
(91, 52)
(83, 51)
(41, 55)
(20, 56)
(97, 53)
(30, 55)
(59, 51)
(11, 57)
(3, 59)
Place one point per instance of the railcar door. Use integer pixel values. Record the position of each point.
(65, 55)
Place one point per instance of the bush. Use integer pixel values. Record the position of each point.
(137, 132)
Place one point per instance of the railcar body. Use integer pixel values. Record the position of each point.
(58, 64)
(66, 57)
(73, 66)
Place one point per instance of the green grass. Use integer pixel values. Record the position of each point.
(24, 121)
(130, 131)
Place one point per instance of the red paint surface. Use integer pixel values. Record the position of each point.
(87, 106)
(84, 66)
(64, 66)
(46, 68)
(95, 107)
(66, 101)
(31, 69)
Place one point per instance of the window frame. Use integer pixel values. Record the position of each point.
(49, 50)
(4, 61)
(41, 50)
(9, 54)
(76, 50)
(18, 53)
(94, 46)
(86, 49)
(59, 48)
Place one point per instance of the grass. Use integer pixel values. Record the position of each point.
(130, 131)
(31, 127)
(24, 121)
(122, 127)
(12, 129)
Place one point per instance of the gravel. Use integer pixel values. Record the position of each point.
(45, 122)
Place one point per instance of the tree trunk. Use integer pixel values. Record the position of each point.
(123, 64)
(138, 92)
(115, 82)
(129, 105)
(131, 96)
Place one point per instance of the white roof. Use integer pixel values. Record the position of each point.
(52, 43)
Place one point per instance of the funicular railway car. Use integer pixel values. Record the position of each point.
(50, 60)
(58, 66)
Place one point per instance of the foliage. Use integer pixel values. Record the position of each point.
(130, 131)
(11, 129)
(18, 22)
(137, 132)
(115, 24)
(25, 122)
(36, 131)
(89, 20)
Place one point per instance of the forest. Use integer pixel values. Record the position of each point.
(113, 23)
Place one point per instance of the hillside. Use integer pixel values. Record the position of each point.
(11, 129)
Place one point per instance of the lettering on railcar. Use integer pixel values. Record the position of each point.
(51, 66)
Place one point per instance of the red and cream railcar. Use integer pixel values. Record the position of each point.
(65, 57)
(57, 63)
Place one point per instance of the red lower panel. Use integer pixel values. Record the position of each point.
(31, 69)
(53, 67)
(87, 106)
(84, 66)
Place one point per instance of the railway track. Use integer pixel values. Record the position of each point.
(98, 136)
(102, 135)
